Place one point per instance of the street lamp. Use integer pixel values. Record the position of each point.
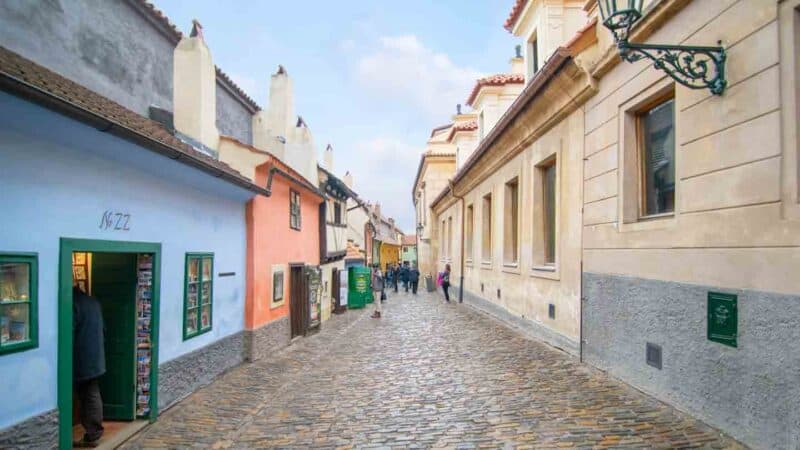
(692, 66)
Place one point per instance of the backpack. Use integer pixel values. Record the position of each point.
(439, 277)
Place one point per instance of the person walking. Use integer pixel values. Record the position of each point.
(413, 278)
(446, 282)
(396, 277)
(88, 364)
(377, 288)
(404, 275)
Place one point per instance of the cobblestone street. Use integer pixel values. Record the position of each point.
(428, 374)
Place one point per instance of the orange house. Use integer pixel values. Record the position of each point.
(282, 239)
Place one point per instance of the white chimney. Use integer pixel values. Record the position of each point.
(518, 62)
(194, 83)
(329, 158)
(280, 111)
(348, 179)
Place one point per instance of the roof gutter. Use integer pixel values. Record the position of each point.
(274, 170)
(27, 91)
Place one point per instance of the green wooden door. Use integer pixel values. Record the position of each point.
(114, 285)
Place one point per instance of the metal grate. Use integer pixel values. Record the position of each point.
(654, 355)
(551, 310)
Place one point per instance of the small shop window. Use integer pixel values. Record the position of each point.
(294, 210)
(18, 311)
(277, 286)
(199, 294)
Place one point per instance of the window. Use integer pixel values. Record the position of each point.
(337, 213)
(294, 209)
(533, 57)
(18, 297)
(549, 209)
(656, 139)
(443, 242)
(511, 223)
(277, 285)
(470, 226)
(486, 229)
(449, 237)
(199, 291)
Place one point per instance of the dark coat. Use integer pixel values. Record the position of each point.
(88, 345)
(404, 274)
(413, 275)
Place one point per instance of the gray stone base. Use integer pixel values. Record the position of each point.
(270, 337)
(34, 433)
(751, 392)
(187, 373)
(527, 327)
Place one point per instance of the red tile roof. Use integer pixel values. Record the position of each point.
(499, 79)
(162, 22)
(409, 239)
(29, 80)
(513, 16)
(472, 125)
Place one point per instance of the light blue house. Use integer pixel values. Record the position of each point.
(96, 194)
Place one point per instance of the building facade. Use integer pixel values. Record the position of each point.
(630, 220)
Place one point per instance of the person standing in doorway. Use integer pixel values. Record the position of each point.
(413, 278)
(377, 288)
(88, 363)
(446, 282)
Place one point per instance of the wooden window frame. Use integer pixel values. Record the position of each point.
(640, 149)
(32, 259)
(201, 257)
(512, 213)
(541, 266)
(295, 210)
(277, 301)
(487, 259)
(470, 232)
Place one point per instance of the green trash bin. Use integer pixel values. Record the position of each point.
(359, 289)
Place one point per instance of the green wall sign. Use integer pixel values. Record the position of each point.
(723, 318)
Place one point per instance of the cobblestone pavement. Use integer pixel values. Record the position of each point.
(428, 374)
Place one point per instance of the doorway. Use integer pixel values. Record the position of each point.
(123, 278)
(298, 305)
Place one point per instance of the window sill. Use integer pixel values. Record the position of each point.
(18, 347)
(486, 265)
(549, 272)
(278, 304)
(512, 268)
(186, 337)
(646, 223)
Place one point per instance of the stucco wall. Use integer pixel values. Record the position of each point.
(233, 118)
(526, 288)
(105, 45)
(59, 177)
(272, 242)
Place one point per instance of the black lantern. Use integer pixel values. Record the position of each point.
(692, 66)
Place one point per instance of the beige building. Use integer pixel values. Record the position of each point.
(625, 218)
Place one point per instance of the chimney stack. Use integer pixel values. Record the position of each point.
(194, 88)
(517, 62)
(458, 109)
(348, 179)
(273, 127)
(329, 158)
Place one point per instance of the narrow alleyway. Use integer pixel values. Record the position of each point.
(428, 374)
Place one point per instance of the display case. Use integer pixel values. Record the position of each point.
(199, 294)
(18, 302)
(144, 317)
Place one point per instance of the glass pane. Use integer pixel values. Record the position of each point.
(207, 266)
(658, 159)
(191, 296)
(191, 321)
(550, 214)
(206, 294)
(194, 270)
(205, 317)
(15, 282)
(14, 323)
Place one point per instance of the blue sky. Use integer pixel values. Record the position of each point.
(370, 77)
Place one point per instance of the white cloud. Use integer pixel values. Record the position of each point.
(403, 69)
(383, 171)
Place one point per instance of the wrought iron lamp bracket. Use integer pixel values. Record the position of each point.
(692, 66)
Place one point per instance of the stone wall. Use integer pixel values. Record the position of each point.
(265, 340)
(38, 432)
(185, 374)
(751, 392)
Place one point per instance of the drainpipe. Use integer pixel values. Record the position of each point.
(461, 252)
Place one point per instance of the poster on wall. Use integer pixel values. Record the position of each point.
(343, 288)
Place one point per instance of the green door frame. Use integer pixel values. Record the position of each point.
(67, 247)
